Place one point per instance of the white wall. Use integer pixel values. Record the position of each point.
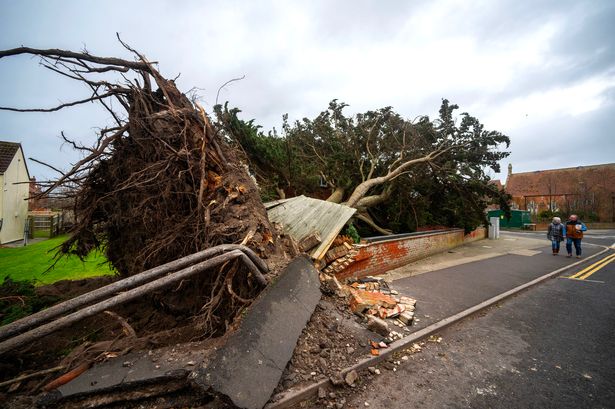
(14, 209)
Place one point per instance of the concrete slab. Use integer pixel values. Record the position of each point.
(249, 366)
(134, 369)
(470, 253)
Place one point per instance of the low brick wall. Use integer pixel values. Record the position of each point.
(381, 256)
(478, 234)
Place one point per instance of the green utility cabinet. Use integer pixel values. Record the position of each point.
(518, 218)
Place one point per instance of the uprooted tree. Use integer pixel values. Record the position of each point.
(399, 174)
(160, 183)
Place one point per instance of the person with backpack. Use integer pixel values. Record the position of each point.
(556, 233)
(574, 235)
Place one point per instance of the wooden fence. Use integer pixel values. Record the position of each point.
(47, 224)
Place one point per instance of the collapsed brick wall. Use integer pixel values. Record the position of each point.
(380, 257)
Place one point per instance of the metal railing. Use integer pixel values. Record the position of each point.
(132, 287)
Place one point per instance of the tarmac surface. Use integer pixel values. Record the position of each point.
(548, 347)
(448, 291)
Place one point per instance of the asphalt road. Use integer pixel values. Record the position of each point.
(445, 292)
(552, 346)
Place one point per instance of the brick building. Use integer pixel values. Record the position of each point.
(586, 190)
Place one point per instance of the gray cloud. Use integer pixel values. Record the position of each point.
(541, 71)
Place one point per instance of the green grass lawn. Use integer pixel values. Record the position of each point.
(40, 233)
(30, 263)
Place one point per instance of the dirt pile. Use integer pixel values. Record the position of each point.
(331, 341)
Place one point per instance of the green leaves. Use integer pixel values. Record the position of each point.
(345, 150)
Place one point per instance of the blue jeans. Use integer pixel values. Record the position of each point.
(577, 245)
(555, 245)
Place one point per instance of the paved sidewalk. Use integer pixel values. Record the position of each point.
(468, 253)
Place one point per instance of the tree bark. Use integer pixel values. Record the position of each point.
(337, 195)
(281, 193)
(363, 216)
(361, 190)
(373, 200)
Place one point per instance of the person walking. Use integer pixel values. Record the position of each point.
(574, 235)
(556, 233)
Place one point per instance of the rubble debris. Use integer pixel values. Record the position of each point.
(391, 312)
(341, 263)
(394, 336)
(362, 301)
(414, 348)
(371, 283)
(310, 241)
(351, 377)
(337, 379)
(343, 240)
(372, 299)
(336, 253)
(377, 325)
(407, 301)
(406, 317)
(330, 284)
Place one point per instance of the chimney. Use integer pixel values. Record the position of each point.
(509, 169)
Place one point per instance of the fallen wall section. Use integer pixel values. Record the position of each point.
(381, 256)
(249, 366)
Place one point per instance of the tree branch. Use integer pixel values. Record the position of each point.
(55, 52)
(68, 104)
(226, 83)
(367, 219)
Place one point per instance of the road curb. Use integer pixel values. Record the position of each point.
(296, 396)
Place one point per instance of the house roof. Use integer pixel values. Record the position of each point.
(301, 216)
(496, 182)
(7, 153)
(561, 181)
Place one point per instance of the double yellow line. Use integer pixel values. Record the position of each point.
(586, 272)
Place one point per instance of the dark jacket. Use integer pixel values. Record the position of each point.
(571, 229)
(556, 232)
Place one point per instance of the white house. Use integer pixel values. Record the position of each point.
(14, 192)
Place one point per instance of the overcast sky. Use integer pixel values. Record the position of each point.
(543, 72)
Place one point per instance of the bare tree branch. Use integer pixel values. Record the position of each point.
(226, 83)
(59, 107)
(55, 52)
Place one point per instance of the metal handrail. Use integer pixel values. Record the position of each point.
(256, 264)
